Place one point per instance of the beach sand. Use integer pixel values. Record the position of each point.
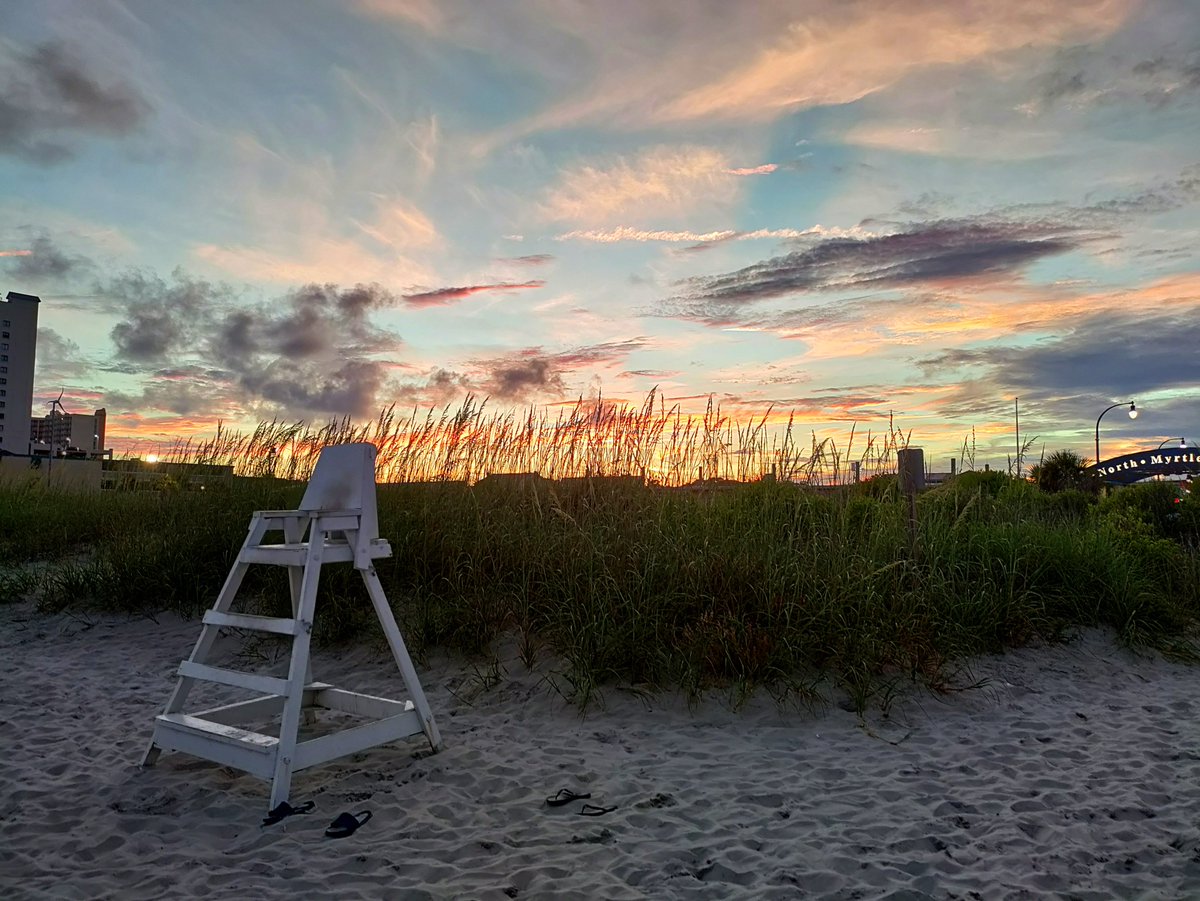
(1074, 773)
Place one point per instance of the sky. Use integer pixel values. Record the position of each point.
(845, 212)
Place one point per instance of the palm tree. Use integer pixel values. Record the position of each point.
(1062, 470)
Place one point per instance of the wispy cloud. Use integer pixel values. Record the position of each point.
(441, 297)
(427, 14)
(706, 67)
(533, 259)
(50, 98)
(764, 169)
(929, 253)
(660, 182)
(627, 233)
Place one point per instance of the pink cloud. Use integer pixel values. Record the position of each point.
(15, 253)
(445, 296)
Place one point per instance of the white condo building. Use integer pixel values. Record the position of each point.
(18, 347)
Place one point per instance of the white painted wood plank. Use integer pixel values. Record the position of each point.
(247, 751)
(273, 624)
(296, 554)
(239, 712)
(359, 704)
(264, 685)
(275, 554)
(400, 654)
(219, 731)
(316, 751)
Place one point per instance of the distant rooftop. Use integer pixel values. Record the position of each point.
(28, 298)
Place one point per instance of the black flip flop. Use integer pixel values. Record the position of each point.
(565, 796)
(591, 810)
(346, 824)
(284, 809)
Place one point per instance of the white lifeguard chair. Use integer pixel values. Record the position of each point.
(338, 514)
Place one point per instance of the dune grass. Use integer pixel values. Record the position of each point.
(762, 584)
(660, 550)
(591, 438)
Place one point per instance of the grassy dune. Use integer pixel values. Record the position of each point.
(759, 584)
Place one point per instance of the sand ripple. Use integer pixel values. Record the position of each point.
(1076, 772)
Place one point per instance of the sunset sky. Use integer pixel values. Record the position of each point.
(842, 210)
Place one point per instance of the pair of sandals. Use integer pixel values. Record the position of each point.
(343, 825)
(566, 796)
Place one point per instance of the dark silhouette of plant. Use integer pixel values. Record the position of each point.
(1063, 470)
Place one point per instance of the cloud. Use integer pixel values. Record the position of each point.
(49, 98)
(927, 253)
(400, 225)
(446, 296)
(1113, 354)
(841, 57)
(305, 219)
(308, 352)
(532, 372)
(626, 233)
(15, 253)
(426, 14)
(59, 359)
(765, 169)
(349, 389)
(159, 317)
(660, 182)
(45, 261)
(657, 64)
(517, 379)
(532, 259)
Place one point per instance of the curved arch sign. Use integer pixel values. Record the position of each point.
(1134, 467)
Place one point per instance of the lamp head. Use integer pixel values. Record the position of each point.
(1182, 443)
(1133, 410)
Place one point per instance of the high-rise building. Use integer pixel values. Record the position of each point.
(18, 348)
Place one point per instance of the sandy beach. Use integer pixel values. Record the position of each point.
(1074, 773)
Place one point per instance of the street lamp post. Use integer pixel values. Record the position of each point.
(1182, 443)
(1133, 412)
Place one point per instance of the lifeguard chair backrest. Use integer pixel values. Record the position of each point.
(344, 479)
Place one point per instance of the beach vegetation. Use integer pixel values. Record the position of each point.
(723, 583)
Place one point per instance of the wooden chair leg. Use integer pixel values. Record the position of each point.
(396, 642)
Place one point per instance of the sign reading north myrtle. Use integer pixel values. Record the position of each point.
(1134, 467)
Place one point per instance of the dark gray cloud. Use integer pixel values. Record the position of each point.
(517, 379)
(49, 98)
(159, 317)
(349, 389)
(46, 261)
(932, 252)
(533, 371)
(531, 259)
(441, 297)
(1065, 383)
(1102, 355)
(307, 352)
